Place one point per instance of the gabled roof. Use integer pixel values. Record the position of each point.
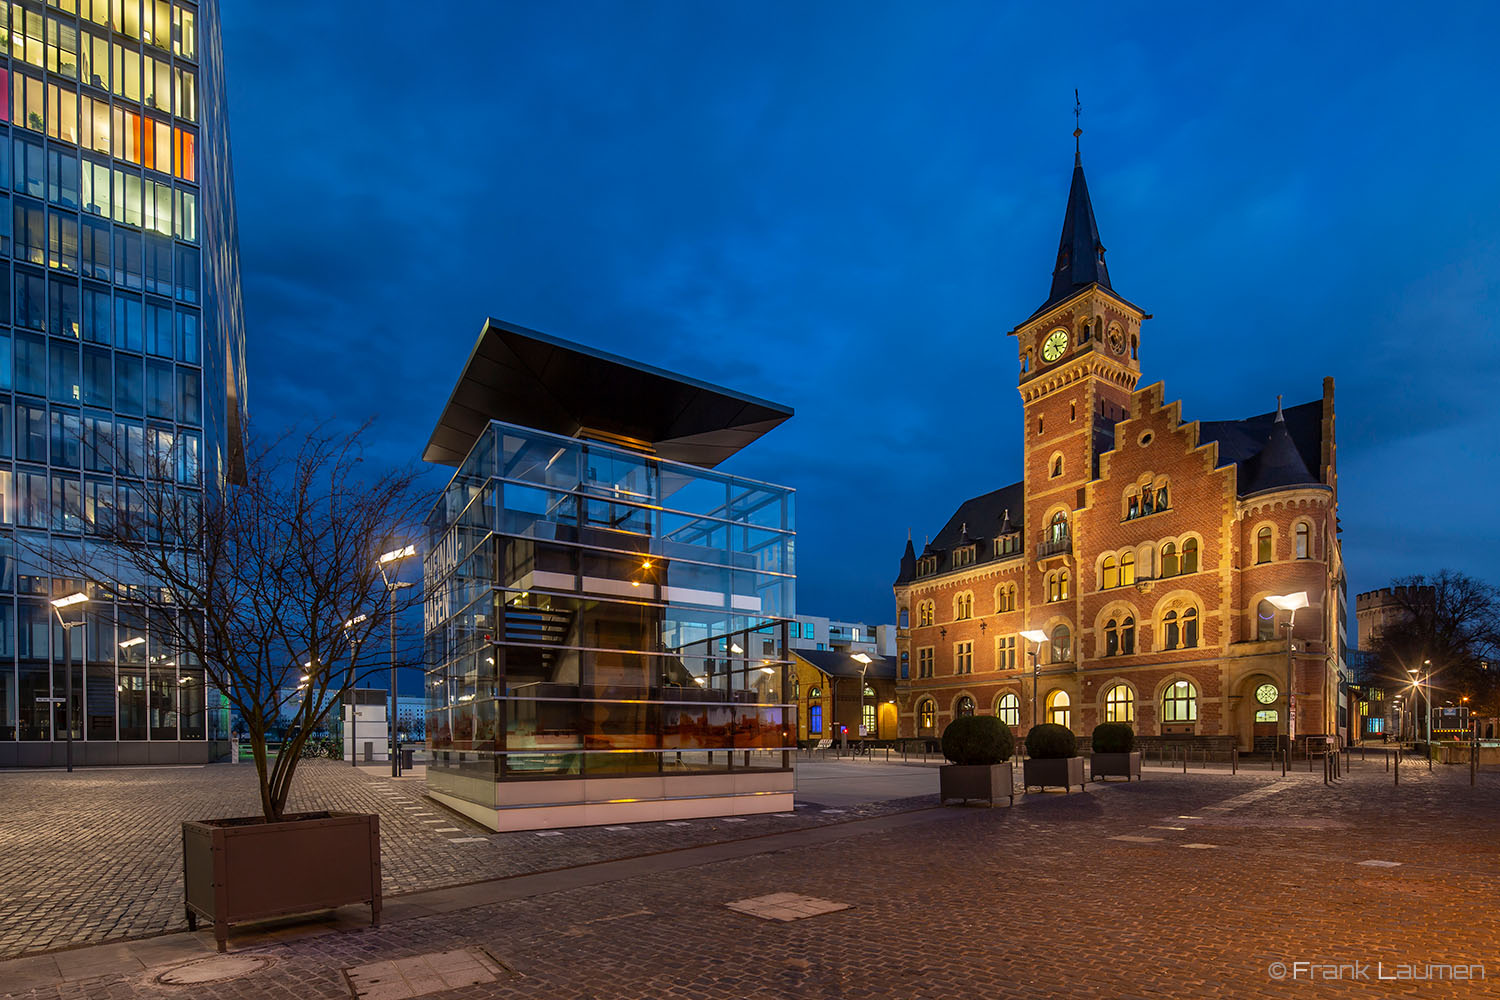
(977, 520)
(837, 663)
(1080, 252)
(1295, 459)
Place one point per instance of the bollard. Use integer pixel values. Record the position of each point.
(1234, 760)
(1387, 756)
(1184, 760)
(1396, 769)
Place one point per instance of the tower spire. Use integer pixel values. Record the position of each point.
(1080, 252)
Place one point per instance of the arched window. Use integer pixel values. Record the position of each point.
(1057, 467)
(814, 711)
(1180, 703)
(1127, 635)
(1062, 583)
(1059, 709)
(905, 665)
(1169, 564)
(927, 715)
(1009, 710)
(1003, 600)
(796, 687)
(1132, 505)
(1263, 545)
(1304, 537)
(1058, 530)
(1119, 704)
(1190, 556)
(1062, 644)
(1265, 621)
(1111, 573)
(1112, 637)
(963, 607)
(1054, 593)
(1127, 569)
(904, 618)
(926, 611)
(1190, 628)
(1169, 630)
(1161, 498)
(965, 706)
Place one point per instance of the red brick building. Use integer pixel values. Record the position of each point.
(1142, 543)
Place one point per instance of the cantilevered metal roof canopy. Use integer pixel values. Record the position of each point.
(524, 377)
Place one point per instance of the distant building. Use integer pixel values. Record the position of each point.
(1142, 545)
(836, 690)
(812, 632)
(1377, 610)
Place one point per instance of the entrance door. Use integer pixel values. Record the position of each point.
(1267, 728)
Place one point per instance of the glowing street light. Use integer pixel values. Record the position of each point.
(59, 605)
(1036, 636)
(1289, 603)
(392, 560)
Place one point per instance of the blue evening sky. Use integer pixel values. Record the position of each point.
(845, 206)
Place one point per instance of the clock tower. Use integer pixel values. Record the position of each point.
(1079, 356)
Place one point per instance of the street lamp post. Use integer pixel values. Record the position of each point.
(58, 606)
(1289, 603)
(349, 687)
(391, 561)
(1037, 636)
(864, 661)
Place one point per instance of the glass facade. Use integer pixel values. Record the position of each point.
(592, 611)
(121, 338)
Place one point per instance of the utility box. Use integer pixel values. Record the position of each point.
(366, 725)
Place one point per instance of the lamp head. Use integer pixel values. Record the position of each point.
(861, 657)
(1289, 602)
(71, 600)
(1034, 635)
(396, 555)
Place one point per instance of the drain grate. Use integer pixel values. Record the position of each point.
(219, 969)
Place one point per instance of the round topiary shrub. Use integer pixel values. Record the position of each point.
(1050, 741)
(1113, 737)
(978, 740)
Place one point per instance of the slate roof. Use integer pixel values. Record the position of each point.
(837, 663)
(1080, 253)
(1266, 461)
(983, 516)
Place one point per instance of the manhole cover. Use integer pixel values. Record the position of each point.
(215, 970)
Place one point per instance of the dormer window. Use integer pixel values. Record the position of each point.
(1009, 544)
(963, 556)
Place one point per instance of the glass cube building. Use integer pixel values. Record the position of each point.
(121, 349)
(606, 627)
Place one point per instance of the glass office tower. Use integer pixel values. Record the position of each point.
(121, 348)
(606, 628)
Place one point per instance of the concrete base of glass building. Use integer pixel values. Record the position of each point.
(552, 804)
(104, 753)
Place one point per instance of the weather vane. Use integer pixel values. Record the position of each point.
(1077, 120)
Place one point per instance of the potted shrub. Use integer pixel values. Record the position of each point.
(1052, 758)
(978, 748)
(1113, 753)
(281, 602)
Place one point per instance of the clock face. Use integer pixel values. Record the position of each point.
(1266, 693)
(1117, 341)
(1055, 344)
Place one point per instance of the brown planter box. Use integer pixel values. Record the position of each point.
(1115, 765)
(237, 871)
(1051, 772)
(977, 781)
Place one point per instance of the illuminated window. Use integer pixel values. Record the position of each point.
(1169, 564)
(927, 715)
(965, 706)
(1009, 710)
(1263, 545)
(1119, 704)
(1111, 573)
(814, 718)
(1180, 703)
(1058, 530)
(905, 665)
(926, 612)
(1127, 569)
(1190, 556)
(1059, 710)
(963, 607)
(867, 716)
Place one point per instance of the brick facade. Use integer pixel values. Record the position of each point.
(1092, 441)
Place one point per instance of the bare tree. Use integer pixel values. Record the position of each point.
(274, 586)
(1451, 621)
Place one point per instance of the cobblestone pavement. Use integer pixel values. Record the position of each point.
(96, 855)
(1222, 878)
